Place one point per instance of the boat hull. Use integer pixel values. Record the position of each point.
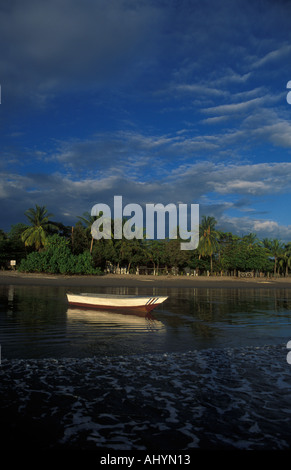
(115, 302)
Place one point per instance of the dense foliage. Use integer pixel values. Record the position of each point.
(58, 258)
(45, 246)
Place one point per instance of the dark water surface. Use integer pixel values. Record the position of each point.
(209, 371)
(36, 322)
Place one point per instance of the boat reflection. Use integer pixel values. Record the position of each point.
(118, 318)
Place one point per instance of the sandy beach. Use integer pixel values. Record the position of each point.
(130, 280)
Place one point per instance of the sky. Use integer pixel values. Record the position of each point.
(177, 101)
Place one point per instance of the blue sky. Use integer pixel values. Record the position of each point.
(157, 101)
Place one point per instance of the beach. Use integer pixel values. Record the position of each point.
(131, 280)
(213, 399)
(230, 399)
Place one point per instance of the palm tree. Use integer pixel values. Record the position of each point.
(250, 239)
(208, 241)
(285, 258)
(88, 220)
(275, 248)
(37, 234)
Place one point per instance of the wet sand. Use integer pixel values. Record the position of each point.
(130, 280)
(230, 399)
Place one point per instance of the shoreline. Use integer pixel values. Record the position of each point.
(132, 280)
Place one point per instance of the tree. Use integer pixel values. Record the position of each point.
(275, 248)
(79, 238)
(208, 240)
(104, 253)
(88, 220)
(17, 249)
(285, 258)
(36, 234)
(133, 253)
(127, 251)
(230, 254)
(251, 239)
(173, 256)
(155, 252)
(58, 258)
(3, 248)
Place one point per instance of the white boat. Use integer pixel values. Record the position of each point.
(115, 301)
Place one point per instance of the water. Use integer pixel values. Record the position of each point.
(209, 371)
(36, 322)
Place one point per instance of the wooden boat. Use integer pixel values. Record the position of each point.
(115, 301)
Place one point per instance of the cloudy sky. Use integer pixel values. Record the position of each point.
(179, 101)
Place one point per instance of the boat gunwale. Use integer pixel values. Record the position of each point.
(116, 296)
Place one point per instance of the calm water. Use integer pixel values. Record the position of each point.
(36, 322)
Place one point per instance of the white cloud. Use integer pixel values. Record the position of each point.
(279, 133)
(225, 178)
(231, 76)
(242, 187)
(265, 226)
(215, 120)
(262, 228)
(200, 89)
(234, 107)
(215, 186)
(272, 56)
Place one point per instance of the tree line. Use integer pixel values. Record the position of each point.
(46, 246)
